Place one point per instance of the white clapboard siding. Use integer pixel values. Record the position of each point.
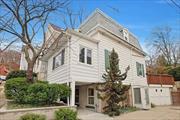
(61, 73)
(83, 72)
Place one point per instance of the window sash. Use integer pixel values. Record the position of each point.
(91, 96)
(85, 55)
(89, 56)
(107, 54)
(58, 60)
(82, 55)
(140, 69)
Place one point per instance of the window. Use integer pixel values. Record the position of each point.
(85, 55)
(89, 56)
(82, 55)
(59, 59)
(126, 34)
(90, 96)
(137, 96)
(140, 69)
(106, 54)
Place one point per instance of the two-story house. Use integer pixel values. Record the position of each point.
(80, 57)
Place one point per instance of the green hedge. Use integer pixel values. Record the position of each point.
(19, 73)
(41, 93)
(32, 116)
(65, 114)
(16, 89)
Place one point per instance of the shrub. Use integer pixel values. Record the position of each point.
(16, 89)
(43, 93)
(64, 91)
(153, 105)
(37, 93)
(65, 114)
(40, 92)
(19, 73)
(32, 116)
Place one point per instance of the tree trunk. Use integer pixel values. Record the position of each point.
(29, 73)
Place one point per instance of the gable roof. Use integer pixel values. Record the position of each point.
(98, 18)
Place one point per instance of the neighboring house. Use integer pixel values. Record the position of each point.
(79, 58)
(160, 88)
(3, 72)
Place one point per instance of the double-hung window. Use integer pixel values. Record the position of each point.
(140, 69)
(85, 55)
(59, 59)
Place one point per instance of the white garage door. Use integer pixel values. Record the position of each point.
(160, 96)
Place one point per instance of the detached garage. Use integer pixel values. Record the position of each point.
(160, 87)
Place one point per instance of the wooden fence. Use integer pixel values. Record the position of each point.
(175, 98)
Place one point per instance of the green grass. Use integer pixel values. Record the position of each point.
(128, 109)
(13, 105)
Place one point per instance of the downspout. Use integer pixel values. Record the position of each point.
(99, 78)
(132, 93)
(69, 67)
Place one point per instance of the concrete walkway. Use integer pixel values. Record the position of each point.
(158, 113)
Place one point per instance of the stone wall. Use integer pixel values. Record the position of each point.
(16, 113)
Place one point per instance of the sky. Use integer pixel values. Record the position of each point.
(139, 16)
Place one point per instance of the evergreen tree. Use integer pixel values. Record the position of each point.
(112, 90)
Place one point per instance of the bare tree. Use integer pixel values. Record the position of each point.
(71, 19)
(164, 43)
(25, 20)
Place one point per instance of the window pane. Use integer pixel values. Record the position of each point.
(106, 54)
(53, 63)
(59, 59)
(62, 56)
(90, 92)
(91, 100)
(89, 57)
(82, 55)
(142, 70)
(137, 96)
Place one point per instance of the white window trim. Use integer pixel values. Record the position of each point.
(142, 76)
(134, 97)
(90, 96)
(85, 61)
(56, 56)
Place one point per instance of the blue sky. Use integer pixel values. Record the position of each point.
(139, 16)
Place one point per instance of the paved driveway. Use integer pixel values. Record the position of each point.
(158, 113)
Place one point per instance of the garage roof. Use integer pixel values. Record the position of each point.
(162, 79)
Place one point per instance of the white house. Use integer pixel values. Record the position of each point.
(79, 59)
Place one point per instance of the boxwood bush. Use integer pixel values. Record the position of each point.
(65, 114)
(16, 89)
(41, 93)
(32, 116)
(18, 73)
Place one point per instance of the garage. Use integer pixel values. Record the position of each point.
(160, 95)
(160, 87)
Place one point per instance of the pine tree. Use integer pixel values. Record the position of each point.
(112, 90)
